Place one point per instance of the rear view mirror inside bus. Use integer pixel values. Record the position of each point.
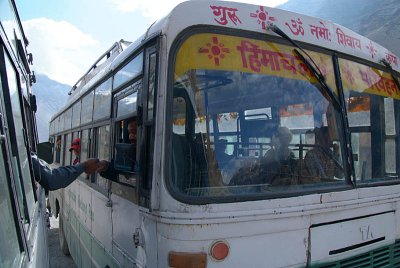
(125, 157)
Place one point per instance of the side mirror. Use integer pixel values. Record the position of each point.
(45, 151)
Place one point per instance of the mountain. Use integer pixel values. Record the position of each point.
(377, 20)
(50, 97)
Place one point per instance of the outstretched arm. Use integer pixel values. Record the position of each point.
(57, 178)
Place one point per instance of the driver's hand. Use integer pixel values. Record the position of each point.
(102, 166)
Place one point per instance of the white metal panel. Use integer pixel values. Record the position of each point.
(125, 220)
(351, 236)
(301, 205)
(351, 212)
(71, 197)
(251, 244)
(38, 236)
(84, 201)
(101, 220)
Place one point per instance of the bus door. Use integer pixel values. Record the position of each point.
(124, 190)
(132, 135)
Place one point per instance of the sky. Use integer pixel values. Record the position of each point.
(67, 36)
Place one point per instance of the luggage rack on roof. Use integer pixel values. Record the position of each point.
(108, 56)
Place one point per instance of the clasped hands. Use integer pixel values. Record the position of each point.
(94, 164)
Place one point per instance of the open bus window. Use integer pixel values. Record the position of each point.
(125, 167)
(125, 146)
(247, 131)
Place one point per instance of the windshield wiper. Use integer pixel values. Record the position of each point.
(312, 67)
(390, 69)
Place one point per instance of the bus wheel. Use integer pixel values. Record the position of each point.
(61, 235)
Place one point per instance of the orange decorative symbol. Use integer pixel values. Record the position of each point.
(215, 50)
(262, 17)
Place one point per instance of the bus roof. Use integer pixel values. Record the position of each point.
(234, 15)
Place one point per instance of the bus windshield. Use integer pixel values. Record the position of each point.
(249, 120)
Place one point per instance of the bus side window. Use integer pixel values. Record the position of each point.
(85, 147)
(124, 153)
(125, 146)
(372, 122)
(67, 151)
(102, 151)
(9, 248)
(57, 150)
(125, 163)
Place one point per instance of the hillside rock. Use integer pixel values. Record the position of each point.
(50, 97)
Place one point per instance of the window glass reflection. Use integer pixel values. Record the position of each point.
(370, 94)
(102, 100)
(252, 127)
(127, 105)
(129, 71)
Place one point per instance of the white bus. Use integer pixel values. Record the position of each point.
(23, 226)
(265, 139)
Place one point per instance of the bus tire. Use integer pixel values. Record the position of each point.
(61, 236)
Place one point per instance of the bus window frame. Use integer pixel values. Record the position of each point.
(109, 79)
(85, 177)
(89, 121)
(95, 144)
(9, 115)
(15, 211)
(11, 180)
(127, 192)
(397, 129)
(68, 155)
(77, 118)
(132, 88)
(179, 40)
(135, 84)
(129, 89)
(122, 86)
(68, 119)
(368, 129)
(147, 126)
(57, 149)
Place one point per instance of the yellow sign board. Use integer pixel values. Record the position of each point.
(232, 53)
(365, 79)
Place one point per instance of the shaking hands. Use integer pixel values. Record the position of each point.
(94, 164)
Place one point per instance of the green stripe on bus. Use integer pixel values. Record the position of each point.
(81, 243)
(386, 256)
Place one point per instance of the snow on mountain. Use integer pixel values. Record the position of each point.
(50, 97)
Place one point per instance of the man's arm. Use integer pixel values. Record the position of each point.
(57, 178)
